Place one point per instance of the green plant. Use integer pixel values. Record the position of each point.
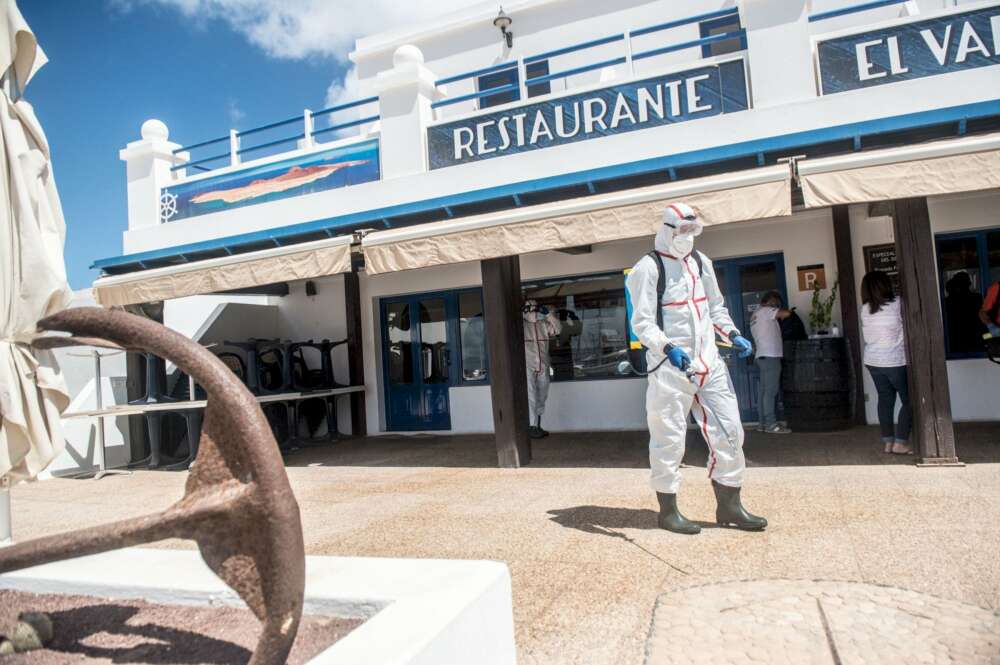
(822, 309)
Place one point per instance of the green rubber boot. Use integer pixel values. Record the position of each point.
(671, 519)
(730, 511)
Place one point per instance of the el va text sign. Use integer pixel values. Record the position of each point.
(907, 51)
(662, 100)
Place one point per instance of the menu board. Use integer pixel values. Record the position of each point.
(883, 257)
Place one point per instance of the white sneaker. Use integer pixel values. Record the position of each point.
(777, 429)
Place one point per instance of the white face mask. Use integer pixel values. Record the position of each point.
(682, 245)
(669, 241)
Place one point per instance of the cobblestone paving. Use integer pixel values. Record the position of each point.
(803, 622)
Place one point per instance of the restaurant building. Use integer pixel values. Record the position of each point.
(481, 165)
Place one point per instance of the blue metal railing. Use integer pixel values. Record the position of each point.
(853, 9)
(479, 72)
(346, 125)
(575, 47)
(238, 150)
(698, 18)
(577, 70)
(515, 68)
(345, 106)
(740, 34)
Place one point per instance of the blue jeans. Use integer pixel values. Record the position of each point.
(770, 383)
(889, 382)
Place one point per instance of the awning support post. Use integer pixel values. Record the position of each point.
(355, 352)
(922, 322)
(849, 304)
(502, 302)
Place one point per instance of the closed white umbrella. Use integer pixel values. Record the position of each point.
(32, 273)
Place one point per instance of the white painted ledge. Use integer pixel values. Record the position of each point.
(417, 611)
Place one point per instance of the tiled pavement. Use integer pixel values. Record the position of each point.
(577, 526)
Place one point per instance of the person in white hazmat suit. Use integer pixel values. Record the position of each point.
(687, 374)
(540, 325)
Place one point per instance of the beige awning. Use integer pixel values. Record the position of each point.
(754, 194)
(928, 169)
(281, 264)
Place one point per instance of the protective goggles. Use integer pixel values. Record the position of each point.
(688, 226)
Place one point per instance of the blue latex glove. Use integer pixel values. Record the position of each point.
(743, 345)
(679, 358)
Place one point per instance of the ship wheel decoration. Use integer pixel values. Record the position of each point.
(168, 206)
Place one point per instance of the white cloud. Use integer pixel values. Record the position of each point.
(298, 29)
(235, 113)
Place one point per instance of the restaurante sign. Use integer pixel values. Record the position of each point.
(662, 100)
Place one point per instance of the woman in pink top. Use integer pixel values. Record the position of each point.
(885, 358)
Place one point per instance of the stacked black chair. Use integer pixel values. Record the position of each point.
(156, 393)
(306, 379)
(192, 420)
(274, 366)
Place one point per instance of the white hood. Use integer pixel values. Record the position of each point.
(668, 240)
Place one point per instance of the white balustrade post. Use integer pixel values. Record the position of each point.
(629, 63)
(779, 51)
(234, 147)
(307, 130)
(522, 79)
(147, 170)
(405, 94)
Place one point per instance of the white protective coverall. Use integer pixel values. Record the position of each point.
(538, 329)
(693, 311)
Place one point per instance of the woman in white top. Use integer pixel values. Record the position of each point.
(885, 358)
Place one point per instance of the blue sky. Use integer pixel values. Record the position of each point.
(109, 70)
(200, 66)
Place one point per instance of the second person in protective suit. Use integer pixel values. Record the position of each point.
(677, 310)
(540, 325)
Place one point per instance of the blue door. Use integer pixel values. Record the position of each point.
(743, 281)
(416, 354)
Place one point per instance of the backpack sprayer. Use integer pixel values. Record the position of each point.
(636, 349)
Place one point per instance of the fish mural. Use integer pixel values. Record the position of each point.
(306, 174)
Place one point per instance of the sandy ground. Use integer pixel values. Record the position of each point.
(577, 526)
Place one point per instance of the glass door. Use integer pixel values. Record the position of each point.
(742, 282)
(416, 354)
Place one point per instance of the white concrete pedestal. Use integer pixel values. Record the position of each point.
(417, 611)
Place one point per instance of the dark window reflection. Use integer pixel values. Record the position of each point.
(434, 341)
(473, 333)
(592, 312)
(400, 356)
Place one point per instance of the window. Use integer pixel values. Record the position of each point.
(510, 77)
(400, 352)
(472, 331)
(591, 309)
(721, 26)
(968, 263)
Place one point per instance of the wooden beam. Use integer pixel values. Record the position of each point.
(355, 352)
(849, 305)
(505, 347)
(928, 374)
